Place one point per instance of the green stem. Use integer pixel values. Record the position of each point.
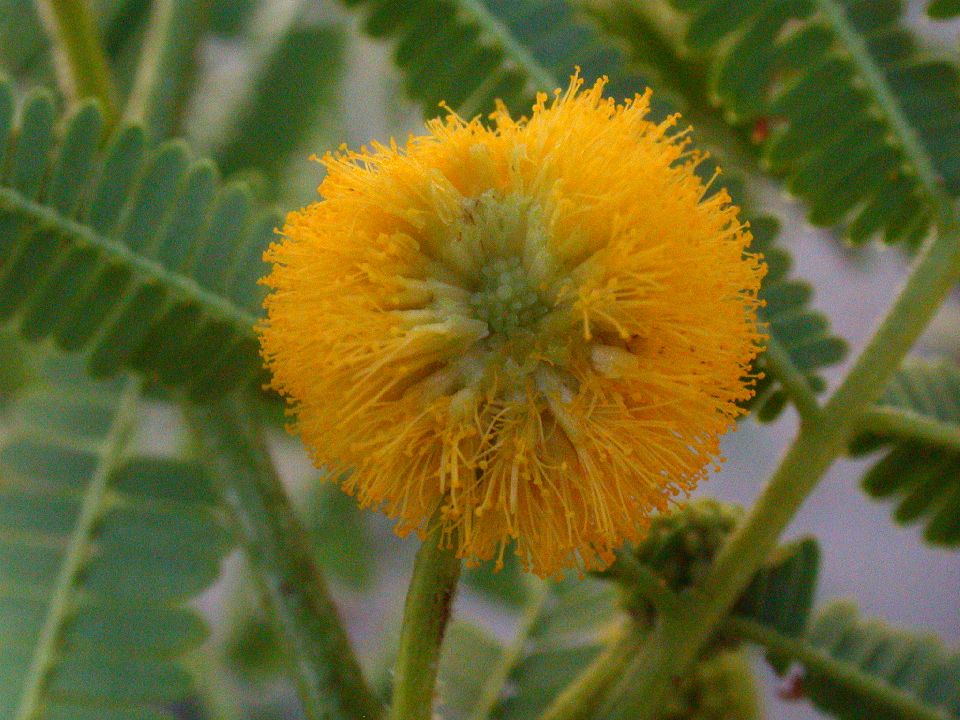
(581, 699)
(677, 640)
(166, 64)
(425, 616)
(76, 554)
(326, 672)
(83, 69)
(906, 425)
(880, 694)
(793, 381)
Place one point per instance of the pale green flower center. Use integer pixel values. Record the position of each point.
(501, 311)
(506, 299)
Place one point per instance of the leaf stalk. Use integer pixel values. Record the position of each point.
(910, 426)
(816, 661)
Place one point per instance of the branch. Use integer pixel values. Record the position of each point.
(326, 672)
(580, 699)
(907, 425)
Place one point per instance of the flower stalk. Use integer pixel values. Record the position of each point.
(425, 615)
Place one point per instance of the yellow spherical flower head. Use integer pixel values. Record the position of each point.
(540, 327)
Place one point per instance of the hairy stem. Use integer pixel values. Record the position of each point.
(793, 381)
(82, 64)
(907, 425)
(677, 640)
(425, 615)
(580, 699)
(327, 675)
(880, 694)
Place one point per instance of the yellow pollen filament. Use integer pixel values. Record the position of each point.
(541, 326)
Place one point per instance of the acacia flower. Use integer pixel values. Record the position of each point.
(540, 327)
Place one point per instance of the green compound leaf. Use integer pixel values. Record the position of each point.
(857, 669)
(798, 335)
(135, 255)
(562, 629)
(99, 552)
(468, 53)
(864, 127)
(294, 96)
(918, 419)
(781, 594)
(917, 666)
